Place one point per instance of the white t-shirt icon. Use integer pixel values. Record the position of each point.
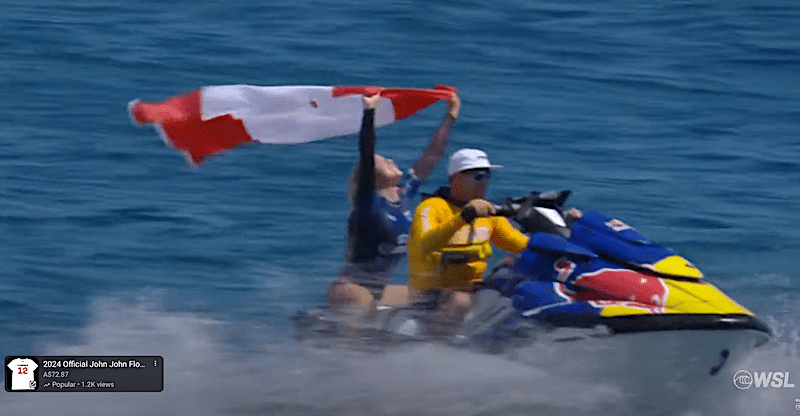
(22, 370)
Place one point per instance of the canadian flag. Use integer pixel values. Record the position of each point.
(218, 118)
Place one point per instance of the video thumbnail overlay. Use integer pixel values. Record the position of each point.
(84, 373)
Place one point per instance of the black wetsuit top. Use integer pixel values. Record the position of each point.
(377, 229)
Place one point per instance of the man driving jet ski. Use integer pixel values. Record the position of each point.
(452, 233)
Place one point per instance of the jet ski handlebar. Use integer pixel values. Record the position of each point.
(537, 211)
(510, 207)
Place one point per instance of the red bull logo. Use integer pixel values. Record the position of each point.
(563, 268)
(618, 225)
(616, 287)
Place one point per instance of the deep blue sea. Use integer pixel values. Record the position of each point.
(681, 118)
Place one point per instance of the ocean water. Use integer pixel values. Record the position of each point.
(681, 118)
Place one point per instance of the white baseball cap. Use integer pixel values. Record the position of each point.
(465, 159)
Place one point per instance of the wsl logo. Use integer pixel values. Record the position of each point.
(743, 380)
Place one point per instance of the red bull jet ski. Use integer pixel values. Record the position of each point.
(594, 278)
(601, 271)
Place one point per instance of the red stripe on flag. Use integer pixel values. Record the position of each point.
(407, 101)
(179, 118)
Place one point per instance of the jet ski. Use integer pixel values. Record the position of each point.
(601, 271)
(592, 278)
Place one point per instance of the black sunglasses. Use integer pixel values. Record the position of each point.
(479, 174)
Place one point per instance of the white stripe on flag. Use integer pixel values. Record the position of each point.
(290, 114)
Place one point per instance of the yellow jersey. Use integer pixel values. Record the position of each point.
(445, 251)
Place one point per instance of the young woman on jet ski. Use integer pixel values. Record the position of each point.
(383, 201)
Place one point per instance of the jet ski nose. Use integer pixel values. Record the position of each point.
(677, 266)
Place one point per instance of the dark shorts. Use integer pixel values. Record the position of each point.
(374, 276)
